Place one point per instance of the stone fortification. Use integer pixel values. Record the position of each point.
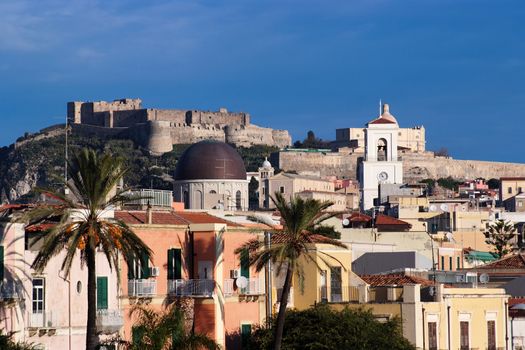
(159, 129)
(416, 166)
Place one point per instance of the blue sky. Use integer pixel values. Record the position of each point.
(455, 66)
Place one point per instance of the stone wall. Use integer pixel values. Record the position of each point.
(416, 166)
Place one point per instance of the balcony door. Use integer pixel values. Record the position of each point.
(205, 285)
(38, 302)
(335, 284)
(102, 293)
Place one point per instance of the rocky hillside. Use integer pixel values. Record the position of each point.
(38, 161)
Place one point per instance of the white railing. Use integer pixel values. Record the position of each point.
(157, 198)
(142, 288)
(254, 287)
(109, 321)
(43, 319)
(203, 288)
(10, 290)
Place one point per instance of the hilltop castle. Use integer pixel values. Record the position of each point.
(159, 129)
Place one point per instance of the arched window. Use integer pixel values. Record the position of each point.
(213, 192)
(382, 150)
(238, 198)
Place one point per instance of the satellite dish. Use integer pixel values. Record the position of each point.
(241, 282)
(444, 207)
(450, 237)
(483, 278)
(346, 222)
(432, 207)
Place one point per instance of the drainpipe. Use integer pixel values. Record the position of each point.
(506, 325)
(149, 214)
(68, 308)
(423, 318)
(448, 325)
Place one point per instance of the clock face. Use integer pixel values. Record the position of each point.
(382, 176)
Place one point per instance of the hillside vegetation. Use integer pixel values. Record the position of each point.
(40, 162)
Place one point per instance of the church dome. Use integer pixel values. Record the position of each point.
(210, 160)
(386, 117)
(266, 164)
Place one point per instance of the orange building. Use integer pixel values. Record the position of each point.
(193, 258)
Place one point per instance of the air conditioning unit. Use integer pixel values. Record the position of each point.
(235, 274)
(154, 271)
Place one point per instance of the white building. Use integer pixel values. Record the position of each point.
(381, 163)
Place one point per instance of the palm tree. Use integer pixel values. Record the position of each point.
(81, 227)
(164, 330)
(300, 221)
(499, 235)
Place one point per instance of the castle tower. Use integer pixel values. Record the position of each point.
(381, 163)
(266, 171)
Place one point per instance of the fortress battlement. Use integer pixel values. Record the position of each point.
(176, 126)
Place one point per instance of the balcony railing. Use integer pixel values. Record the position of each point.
(196, 288)
(42, 319)
(10, 290)
(109, 321)
(142, 288)
(254, 287)
(338, 295)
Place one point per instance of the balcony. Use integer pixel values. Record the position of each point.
(10, 290)
(191, 288)
(338, 294)
(142, 288)
(43, 319)
(254, 287)
(109, 321)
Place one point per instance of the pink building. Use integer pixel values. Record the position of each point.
(193, 258)
(48, 308)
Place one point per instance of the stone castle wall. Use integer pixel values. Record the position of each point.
(416, 166)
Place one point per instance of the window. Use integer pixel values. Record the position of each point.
(238, 200)
(519, 190)
(213, 192)
(442, 263)
(335, 284)
(463, 336)
(491, 335)
(458, 263)
(432, 336)
(245, 263)
(174, 264)
(264, 190)
(450, 263)
(281, 189)
(246, 331)
(509, 190)
(139, 269)
(38, 296)
(102, 293)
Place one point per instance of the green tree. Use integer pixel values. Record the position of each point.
(320, 327)
(449, 183)
(493, 184)
(164, 330)
(82, 228)
(499, 235)
(299, 220)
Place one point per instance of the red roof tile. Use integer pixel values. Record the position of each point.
(358, 217)
(388, 220)
(394, 279)
(515, 261)
(170, 218)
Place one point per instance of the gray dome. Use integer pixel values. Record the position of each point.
(210, 160)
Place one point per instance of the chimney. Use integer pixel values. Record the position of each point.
(149, 214)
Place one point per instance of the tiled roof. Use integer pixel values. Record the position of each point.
(170, 218)
(515, 261)
(388, 220)
(394, 279)
(358, 217)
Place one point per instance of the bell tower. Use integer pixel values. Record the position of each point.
(381, 163)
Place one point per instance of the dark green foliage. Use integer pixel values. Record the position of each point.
(7, 343)
(311, 141)
(327, 231)
(323, 328)
(254, 156)
(493, 184)
(431, 184)
(449, 183)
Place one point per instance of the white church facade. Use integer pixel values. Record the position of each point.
(381, 163)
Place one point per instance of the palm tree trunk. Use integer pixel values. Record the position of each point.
(91, 330)
(283, 302)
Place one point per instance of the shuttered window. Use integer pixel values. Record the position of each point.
(246, 331)
(138, 269)
(174, 264)
(432, 336)
(463, 336)
(102, 293)
(245, 263)
(491, 335)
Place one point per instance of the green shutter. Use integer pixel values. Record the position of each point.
(131, 272)
(171, 271)
(246, 331)
(1, 263)
(178, 264)
(102, 293)
(245, 263)
(144, 266)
